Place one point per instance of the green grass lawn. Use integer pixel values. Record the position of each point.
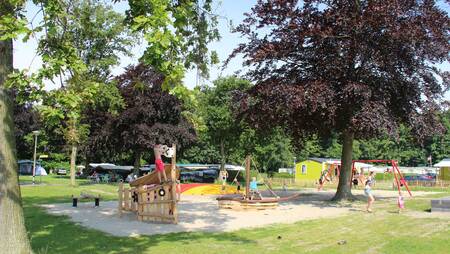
(381, 232)
(50, 179)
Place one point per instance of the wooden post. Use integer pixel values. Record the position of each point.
(120, 198)
(126, 199)
(173, 177)
(247, 177)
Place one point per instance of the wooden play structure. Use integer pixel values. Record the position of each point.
(150, 199)
(244, 202)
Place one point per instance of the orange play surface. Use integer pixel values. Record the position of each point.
(206, 189)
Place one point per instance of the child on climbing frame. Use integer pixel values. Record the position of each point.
(254, 189)
(159, 149)
(400, 202)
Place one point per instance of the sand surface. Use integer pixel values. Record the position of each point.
(201, 213)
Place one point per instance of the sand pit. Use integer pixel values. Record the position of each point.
(200, 213)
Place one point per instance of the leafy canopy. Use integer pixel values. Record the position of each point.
(361, 67)
(177, 35)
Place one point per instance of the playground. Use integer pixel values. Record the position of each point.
(312, 223)
(149, 206)
(201, 213)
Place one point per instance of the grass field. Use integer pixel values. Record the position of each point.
(381, 232)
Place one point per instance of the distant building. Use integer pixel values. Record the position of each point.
(312, 168)
(444, 166)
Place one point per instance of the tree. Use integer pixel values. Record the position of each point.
(152, 115)
(14, 237)
(439, 146)
(177, 34)
(221, 126)
(272, 151)
(26, 120)
(82, 41)
(356, 68)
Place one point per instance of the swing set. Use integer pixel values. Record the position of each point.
(335, 167)
(333, 171)
(398, 176)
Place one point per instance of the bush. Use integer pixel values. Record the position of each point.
(52, 165)
(384, 176)
(282, 175)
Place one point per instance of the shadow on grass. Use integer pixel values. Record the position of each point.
(57, 234)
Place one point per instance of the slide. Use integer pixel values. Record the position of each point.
(152, 178)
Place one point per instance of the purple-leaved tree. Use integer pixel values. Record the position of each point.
(357, 68)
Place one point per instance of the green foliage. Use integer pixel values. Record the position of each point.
(439, 145)
(177, 34)
(11, 27)
(384, 176)
(82, 40)
(282, 175)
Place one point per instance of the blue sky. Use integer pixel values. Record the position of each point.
(24, 53)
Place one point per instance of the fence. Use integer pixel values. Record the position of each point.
(379, 184)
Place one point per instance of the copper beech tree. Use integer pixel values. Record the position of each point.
(152, 115)
(357, 68)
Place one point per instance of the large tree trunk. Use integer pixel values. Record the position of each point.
(73, 160)
(13, 235)
(344, 191)
(137, 163)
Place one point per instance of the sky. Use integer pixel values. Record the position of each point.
(233, 10)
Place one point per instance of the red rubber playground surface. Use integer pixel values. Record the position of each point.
(188, 186)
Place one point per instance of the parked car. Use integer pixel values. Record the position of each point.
(420, 178)
(61, 171)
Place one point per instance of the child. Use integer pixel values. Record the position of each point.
(223, 174)
(158, 149)
(400, 202)
(238, 186)
(285, 187)
(368, 192)
(322, 180)
(254, 189)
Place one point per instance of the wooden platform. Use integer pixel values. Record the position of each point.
(245, 205)
(440, 205)
(152, 178)
(237, 202)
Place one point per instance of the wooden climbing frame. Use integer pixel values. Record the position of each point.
(151, 200)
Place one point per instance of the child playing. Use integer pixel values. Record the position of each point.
(368, 192)
(400, 202)
(223, 175)
(254, 189)
(159, 149)
(238, 186)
